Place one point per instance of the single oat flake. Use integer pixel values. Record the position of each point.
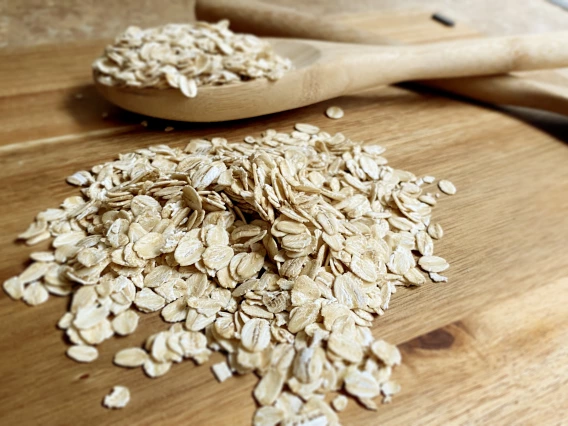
(334, 112)
(82, 353)
(447, 187)
(131, 357)
(221, 371)
(118, 397)
(279, 251)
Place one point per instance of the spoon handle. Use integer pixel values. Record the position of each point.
(474, 57)
(264, 19)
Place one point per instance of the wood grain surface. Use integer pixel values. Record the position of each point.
(489, 347)
(32, 22)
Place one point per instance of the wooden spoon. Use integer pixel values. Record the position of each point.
(326, 70)
(265, 19)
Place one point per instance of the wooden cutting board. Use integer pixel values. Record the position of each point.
(489, 347)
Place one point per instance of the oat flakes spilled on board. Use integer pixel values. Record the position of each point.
(279, 251)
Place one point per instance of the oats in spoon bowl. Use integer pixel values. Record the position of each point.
(186, 56)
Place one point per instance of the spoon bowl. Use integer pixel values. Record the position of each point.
(323, 70)
(224, 102)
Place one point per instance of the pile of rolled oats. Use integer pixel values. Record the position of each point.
(185, 56)
(278, 251)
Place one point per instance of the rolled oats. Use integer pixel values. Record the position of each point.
(148, 301)
(268, 416)
(89, 316)
(278, 251)
(361, 384)
(34, 294)
(34, 272)
(118, 397)
(255, 335)
(437, 278)
(131, 357)
(221, 371)
(82, 353)
(269, 387)
(433, 263)
(155, 369)
(435, 231)
(447, 187)
(125, 323)
(307, 128)
(186, 57)
(385, 352)
(424, 243)
(334, 112)
(339, 403)
(14, 288)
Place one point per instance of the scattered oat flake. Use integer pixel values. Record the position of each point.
(155, 369)
(361, 384)
(14, 288)
(447, 187)
(221, 371)
(306, 128)
(34, 272)
(437, 278)
(436, 231)
(433, 263)
(81, 353)
(42, 256)
(168, 129)
(118, 397)
(334, 112)
(34, 294)
(89, 316)
(65, 321)
(387, 353)
(130, 357)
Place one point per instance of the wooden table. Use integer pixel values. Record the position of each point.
(489, 347)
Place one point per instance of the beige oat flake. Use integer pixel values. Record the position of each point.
(82, 353)
(306, 128)
(14, 288)
(447, 187)
(433, 263)
(125, 323)
(118, 397)
(130, 357)
(339, 403)
(435, 231)
(255, 335)
(34, 293)
(334, 112)
(221, 371)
